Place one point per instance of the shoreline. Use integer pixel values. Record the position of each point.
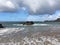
(34, 35)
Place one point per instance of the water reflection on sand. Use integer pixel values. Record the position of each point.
(31, 35)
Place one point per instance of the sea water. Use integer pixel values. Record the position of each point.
(37, 27)
(17, 32)
(10, 25)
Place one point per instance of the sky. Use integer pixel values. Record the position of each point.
(28, 10)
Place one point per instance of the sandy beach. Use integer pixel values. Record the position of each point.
(31, 36)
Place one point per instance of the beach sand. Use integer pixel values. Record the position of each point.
(28, 37)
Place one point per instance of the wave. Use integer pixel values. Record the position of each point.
(41, 25)
(31, 25)
(10, 30)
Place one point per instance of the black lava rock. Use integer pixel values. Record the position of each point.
(1, 26)
(28, 23)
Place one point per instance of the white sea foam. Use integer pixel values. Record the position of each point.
(17, 24)
(41, 25)
(31, 25)
(10, 30)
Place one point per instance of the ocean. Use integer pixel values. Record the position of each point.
(42, 24)
(14, 32)
(24, 29)
(37, 27)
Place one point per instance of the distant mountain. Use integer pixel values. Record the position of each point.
(57, 20)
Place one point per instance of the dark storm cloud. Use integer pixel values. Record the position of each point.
(34, 6)
(42, 6)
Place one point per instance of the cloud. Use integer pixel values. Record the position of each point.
(36, 18)
(54, 16)
(8, 6)
(42, 6)
(43, 17)
(33, 18)
(36, 7)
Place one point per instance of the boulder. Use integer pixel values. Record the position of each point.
(1, 26)
(28, 23)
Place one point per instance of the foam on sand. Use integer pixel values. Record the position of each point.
(10, 30)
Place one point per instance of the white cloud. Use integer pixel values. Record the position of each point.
(10, 4)
(33, 18)
(24, 8)
(7, 6)
(43, 17)
(54, 16)
(35, 7)
(42, 6)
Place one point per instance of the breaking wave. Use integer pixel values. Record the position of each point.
(10, 30)
(41, 25)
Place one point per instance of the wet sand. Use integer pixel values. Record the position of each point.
(31, 35)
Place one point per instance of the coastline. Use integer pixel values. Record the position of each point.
(30, 35)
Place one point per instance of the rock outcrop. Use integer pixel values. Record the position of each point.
(28, 23)
(1, 26)
(57, 20)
